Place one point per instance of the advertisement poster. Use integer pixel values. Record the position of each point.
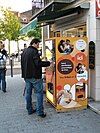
(67, 75)
(71, 72)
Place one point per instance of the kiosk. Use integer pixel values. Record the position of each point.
(67, 76)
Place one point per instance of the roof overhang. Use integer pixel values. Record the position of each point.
(55, 15)
(57, 9)
(53, 6)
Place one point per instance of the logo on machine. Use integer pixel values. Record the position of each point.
(80, 57)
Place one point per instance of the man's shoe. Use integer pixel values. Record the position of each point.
(4, 91)
(31, 112)
(42, 115)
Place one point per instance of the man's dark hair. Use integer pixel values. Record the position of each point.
(34, 41)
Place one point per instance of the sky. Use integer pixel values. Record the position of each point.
(17, 5)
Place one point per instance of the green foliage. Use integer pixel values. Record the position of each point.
(36, 33)
(9, 25)
(2, 35)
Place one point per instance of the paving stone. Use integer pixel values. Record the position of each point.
(14, 117)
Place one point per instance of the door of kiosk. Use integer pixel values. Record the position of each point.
(67, 75)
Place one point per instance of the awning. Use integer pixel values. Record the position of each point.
(55, 15)
(52, 7)
(28, 27)
(57, 9)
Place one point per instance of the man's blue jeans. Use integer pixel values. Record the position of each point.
(37, 84)
(2, 80)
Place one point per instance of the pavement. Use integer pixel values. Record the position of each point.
(93, 105)
(14, 117)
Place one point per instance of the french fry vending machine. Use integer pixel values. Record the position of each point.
(67, 75)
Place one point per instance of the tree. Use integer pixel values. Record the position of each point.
(10, 26)
(36, 33)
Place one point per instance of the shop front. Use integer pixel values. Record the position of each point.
(85, 22)
(77, 19)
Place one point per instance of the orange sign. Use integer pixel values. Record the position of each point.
(71, 72)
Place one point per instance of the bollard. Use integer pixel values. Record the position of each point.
(11, 63)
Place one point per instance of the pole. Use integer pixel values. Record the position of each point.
(11, 62)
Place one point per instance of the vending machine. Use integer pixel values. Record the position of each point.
(67, 75)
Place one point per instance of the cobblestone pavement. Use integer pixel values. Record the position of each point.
(14, 117)
(16, 71)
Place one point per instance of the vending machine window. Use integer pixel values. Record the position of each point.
(50, 71)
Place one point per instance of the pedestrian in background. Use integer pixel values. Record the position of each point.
(31, 66)
(4, 52)
(25, 45)
(3, 56)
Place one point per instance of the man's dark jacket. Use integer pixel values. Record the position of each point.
(31, 63)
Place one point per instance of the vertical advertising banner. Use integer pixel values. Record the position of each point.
(97, 8)
(71, 72)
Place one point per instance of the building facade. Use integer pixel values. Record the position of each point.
(75, 18)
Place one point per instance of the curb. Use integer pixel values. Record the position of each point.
(94, 109)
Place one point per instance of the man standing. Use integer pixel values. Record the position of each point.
(3, 55)
(31, 66)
